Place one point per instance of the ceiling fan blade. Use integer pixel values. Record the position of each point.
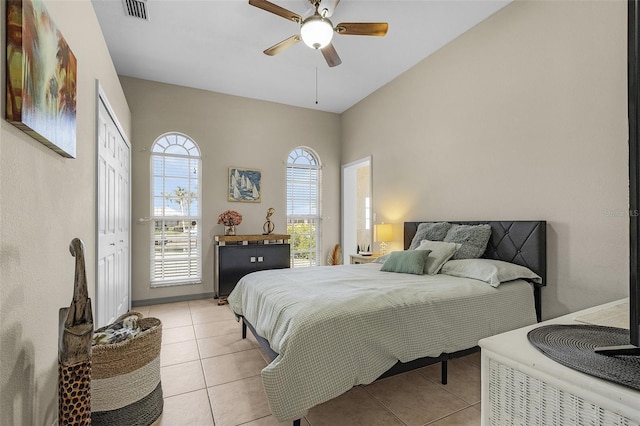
(284, 44)
(330, 55)
(277, 10)
(363, 28)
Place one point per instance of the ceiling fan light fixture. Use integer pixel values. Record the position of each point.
(316, 31)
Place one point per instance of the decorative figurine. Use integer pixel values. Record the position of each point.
(268, 226)
(335, 256)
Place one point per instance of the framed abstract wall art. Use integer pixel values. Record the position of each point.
(244, 185)
(41, 77)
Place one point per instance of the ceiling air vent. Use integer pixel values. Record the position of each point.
(136, 8)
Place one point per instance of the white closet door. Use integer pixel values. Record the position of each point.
(113, 287)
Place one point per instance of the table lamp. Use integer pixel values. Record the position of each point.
(383, 233)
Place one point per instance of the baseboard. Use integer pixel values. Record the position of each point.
(172, 299)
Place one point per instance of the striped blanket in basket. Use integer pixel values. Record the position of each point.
(125, 378)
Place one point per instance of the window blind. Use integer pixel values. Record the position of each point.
(303, 208)
(176, 247)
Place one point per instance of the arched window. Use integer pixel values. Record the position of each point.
(303, 207)
(176, 247)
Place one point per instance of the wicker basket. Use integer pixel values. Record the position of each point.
(125, 381)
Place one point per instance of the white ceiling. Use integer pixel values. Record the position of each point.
(217, 45)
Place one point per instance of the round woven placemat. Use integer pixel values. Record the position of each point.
(573, 346)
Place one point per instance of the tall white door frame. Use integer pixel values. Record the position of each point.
(349, 208)
(113, 216)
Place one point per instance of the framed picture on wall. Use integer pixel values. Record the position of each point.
(244, 185)
(41, 77)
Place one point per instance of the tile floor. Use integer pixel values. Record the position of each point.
(211, 376)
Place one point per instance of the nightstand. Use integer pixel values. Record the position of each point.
(358, 258)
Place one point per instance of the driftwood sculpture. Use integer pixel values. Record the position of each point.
(75, 332)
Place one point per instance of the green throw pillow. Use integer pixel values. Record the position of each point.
(406, 262)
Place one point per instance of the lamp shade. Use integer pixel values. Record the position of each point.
(384, 232)
(316, 31)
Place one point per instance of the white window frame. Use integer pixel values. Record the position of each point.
(187, 248)
(315, 258)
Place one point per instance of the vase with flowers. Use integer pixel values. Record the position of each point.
(230, 219)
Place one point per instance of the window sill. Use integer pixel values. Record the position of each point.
(162, 284)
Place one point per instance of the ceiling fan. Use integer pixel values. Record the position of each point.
(317, 30)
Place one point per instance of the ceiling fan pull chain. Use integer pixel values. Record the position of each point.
(316, 85)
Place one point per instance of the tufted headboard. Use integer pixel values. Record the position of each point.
(516, 241)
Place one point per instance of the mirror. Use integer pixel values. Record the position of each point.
(357, 228)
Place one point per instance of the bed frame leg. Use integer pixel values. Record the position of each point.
(443, 366)
(538, 302)
(296, 422)
(244, 330)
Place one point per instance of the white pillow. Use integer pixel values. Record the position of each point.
(491, 271)
(440, 252)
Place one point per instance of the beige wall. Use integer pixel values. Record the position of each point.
(522, 117)
(231, 132)
(45, 201)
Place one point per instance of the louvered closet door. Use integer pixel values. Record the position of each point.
(114, 218)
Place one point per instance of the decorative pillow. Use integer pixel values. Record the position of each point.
(441, 251)
(432, 231)
(474, 239)
(491, 271)
(406, 262)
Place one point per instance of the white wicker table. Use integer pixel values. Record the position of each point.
(521, 386)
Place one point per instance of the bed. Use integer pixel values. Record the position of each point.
(330, 328)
